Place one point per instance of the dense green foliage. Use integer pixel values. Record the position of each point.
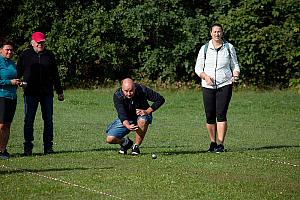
(159, 39)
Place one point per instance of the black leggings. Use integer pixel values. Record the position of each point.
(216, 102)
(7, 110)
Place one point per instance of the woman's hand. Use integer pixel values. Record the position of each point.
(209, 80)
(15, 81)
(235, 76)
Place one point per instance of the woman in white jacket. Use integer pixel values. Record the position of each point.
(218, 68)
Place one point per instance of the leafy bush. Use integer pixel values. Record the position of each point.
(266, 35)
(104, 41)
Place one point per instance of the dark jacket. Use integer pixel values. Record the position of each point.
(40, 72)
(126, 107)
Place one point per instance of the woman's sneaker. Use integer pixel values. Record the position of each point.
(219, 148)
(212, 147)
(4, 155)
(136, 150)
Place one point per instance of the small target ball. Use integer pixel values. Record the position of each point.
(154, 156)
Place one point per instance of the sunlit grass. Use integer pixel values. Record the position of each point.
(262, 161)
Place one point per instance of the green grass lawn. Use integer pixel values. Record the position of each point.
(262, 161)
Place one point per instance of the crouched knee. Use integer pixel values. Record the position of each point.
(112, 140)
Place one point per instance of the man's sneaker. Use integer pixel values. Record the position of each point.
(48, 151)
(219, 148)
(212, 147)
(124, 148)
(4, 155)
(27, 152)
(136, 150)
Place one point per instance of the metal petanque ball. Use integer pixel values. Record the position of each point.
(23, 84)
(154, 156)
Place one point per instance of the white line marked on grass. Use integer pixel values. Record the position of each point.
(64, 182)
(276, 161)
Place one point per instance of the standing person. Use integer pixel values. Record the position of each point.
(8, 94)
(38, 67)
(134, 114)
(218, 68)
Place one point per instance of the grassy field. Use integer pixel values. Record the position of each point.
(262, 161)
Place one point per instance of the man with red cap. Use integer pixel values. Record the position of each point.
(37, 66)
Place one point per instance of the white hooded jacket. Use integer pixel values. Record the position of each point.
(218, 64)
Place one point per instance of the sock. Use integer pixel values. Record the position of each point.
(124, 141)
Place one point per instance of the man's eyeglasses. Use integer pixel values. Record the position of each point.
(8, 49)
(41, 42)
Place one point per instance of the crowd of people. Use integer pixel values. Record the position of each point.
(37, 72)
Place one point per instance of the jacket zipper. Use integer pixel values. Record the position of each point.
(216, 70)
(40, 71)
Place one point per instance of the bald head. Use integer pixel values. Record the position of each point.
(128, 88)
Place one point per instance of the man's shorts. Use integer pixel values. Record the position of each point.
(118, 130)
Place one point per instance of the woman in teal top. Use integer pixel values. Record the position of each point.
(8, 95)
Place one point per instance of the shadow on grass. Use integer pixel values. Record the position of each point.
(15, 171)
(165, 146)
(191, 152)
(174, 150)
(87, 150)
(111, 148)
(264, 148)
(63, 151)
(170, 153)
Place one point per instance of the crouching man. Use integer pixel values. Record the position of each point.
(134, 114)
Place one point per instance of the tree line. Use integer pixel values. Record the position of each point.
(99, 41)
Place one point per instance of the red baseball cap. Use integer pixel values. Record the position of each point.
(38, 36)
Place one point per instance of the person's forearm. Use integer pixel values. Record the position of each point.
(149, 110)
(126, 123)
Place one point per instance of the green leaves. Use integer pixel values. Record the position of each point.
(95, 41)
(263, 33)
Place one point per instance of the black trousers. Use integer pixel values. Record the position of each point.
(216, 102)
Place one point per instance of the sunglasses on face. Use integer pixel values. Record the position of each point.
(41, 42)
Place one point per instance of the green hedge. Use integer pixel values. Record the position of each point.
(101, 41)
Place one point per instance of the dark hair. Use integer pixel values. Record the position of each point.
(5, 42)
(216, 24)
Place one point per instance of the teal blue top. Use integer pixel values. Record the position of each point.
(8, 72)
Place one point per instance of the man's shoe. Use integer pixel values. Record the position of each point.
(4, 155)
(48, 151)
(219, 148)
(212, 147)
(124, 148)
(136, 150)
(28, 146)
(27, 152)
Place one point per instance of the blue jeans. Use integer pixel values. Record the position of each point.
(30, 107)
(118, 130)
